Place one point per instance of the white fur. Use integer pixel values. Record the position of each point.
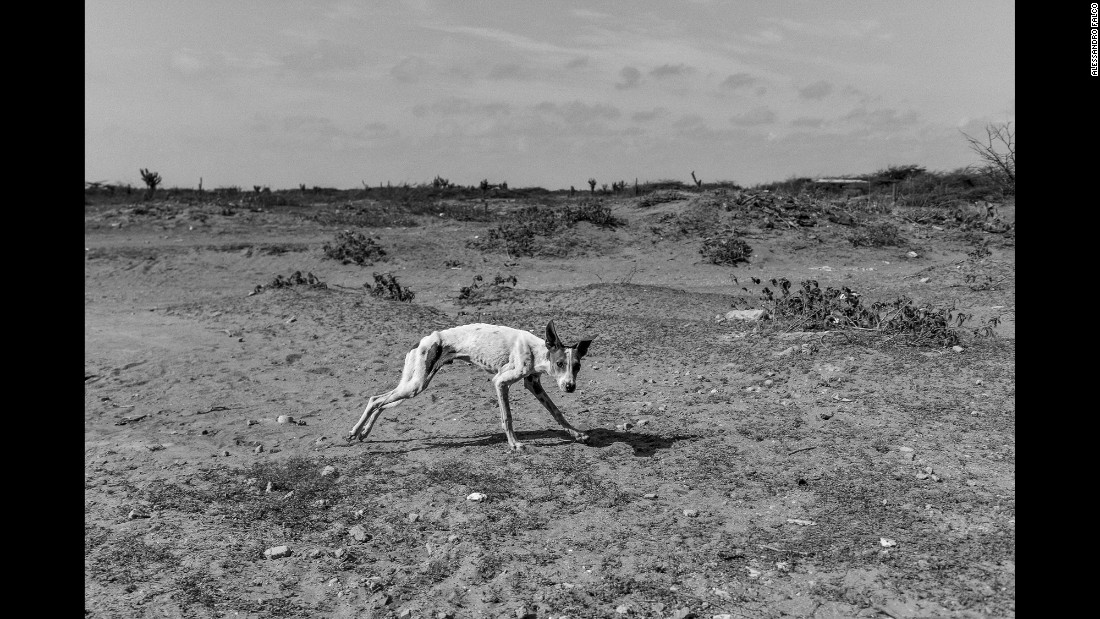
(510, 354)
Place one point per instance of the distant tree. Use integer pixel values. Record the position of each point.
(998, 152)
(151, 180)
(592, 185)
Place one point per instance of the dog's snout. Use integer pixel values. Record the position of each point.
(570, 388)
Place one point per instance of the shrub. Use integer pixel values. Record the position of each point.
(354, 247)
(725, 250)
(877, 235)
(295, 279)
(592, 211)
(387, 286)
(486, 292)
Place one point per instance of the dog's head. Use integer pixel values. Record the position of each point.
(565, 361)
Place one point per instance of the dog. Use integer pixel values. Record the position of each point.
(509, 354)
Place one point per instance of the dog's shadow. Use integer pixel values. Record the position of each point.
(644, 444)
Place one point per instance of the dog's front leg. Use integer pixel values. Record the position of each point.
(535, 387)
(500, 383)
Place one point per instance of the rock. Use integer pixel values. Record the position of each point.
(769, 382)
(340, 552)
(270, 487)
(925, 280)
(476, 497)
(320, 440)
(681, 613)
(756, 314)
(329, 470)
(753, 573)
(622, 609)
(826, 416)
(413, 517)
(358, 533)
(887, 542)
(225, 452)
(691, 513)
(922, 475)
(957, 348)
(137, 513)
(284, 419)
(649, 495)
(316, 552)
(251, 422)
(259, 449)
(277, 552)
(911, 254)
(905, 449)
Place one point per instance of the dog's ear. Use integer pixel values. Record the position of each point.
(552, 340)
(582, 347)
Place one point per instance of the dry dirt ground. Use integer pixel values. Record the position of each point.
(765, 472)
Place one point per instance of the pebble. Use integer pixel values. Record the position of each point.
(137, 513)
(225, 452)
(957, 348)
(905, 449)
(328, 470)
(316, 552)
(476, 496)
(925, 280)
(691, 513)
(622, 609)
(340, 552)
(251, 422)
(259, 449)
(826, 415)
(270, 487)
(650, 495)
(887, 542)
(911, 254)
(284, 419)
(276, 552)
(358, 533)
(413, 517)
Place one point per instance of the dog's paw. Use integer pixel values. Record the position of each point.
(350, 438)
(580, 437)
(517, 446)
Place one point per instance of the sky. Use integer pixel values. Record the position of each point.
(548, 93)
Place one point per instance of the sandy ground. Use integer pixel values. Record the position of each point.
(732, 469)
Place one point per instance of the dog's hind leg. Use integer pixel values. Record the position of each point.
(535, 387)
(421, 364)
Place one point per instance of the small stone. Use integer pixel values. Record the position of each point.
(691, 513)
(928, 470)
(276, 552)
(320, 440)
(622, 609)
(359, 533)
(957, 348)
(769, 383)
(137, 513)
(270, 487)
(935, 477)
(826, 416)
(521, 612)
(340, 552)
(922, 475)
(911, 254)
(745, 315)
(753, 573)
(284, 419)
(476, 496)
(413, 517)
(887, 542)
(925, 280)
(316, 552)
(649, 495)
(251, 422)
(259, 449)
(225, 452)
(905, 449)
(329, 470)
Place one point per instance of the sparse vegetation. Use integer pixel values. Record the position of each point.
(355, 247)
(151, 180)
(884, 234)
(998, 155)
(295, 279)
(482, 292)
(725, 250)
(386, 286)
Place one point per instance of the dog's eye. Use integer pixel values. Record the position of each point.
(561, 365)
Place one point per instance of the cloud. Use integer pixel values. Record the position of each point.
(739, 80)
(510, 71)
(324, 56)
(756, 116)
(187, 61)
(410, 70)
(576, 111)
(668, 70)
(816, 90)
(631, 78)
(887, 118)
(808, 123)
(456, 106)
(655, 113)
